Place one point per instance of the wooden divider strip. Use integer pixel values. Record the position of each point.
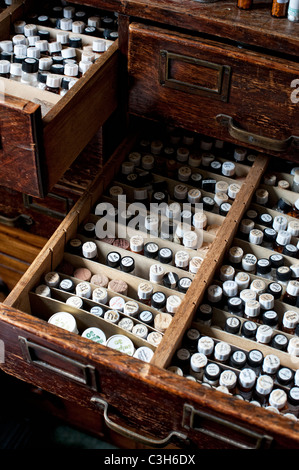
(183, 318)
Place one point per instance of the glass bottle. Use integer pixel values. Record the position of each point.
(198, 363)
(205, 345)
(283, 238)
(53, 83)
(238, 359)
(291, 293)
(222, 351)
(232, 325)
(255, 360)
(30, 71)
(15, 71)
(278, 399)
(290, 320)
(263, 388)
(211, 374)
(246, 383)
(293, 401)
(271, 364)
(279, 8)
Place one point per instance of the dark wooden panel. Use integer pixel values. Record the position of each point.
(258, 96)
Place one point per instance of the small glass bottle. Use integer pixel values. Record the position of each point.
(53, 83)
(243, 280)
(248, 329)
(278, 399)
(198, 363)
(245, 228)
(263, 388)
(261, 196)
(279, 8)
(205, 345)
(263, 268)
(182, 259)
(270, 318)
(255, 360)
(246, 383)
(271, 364)
(235, 306)
(232, 325)
(283, 275)
(249, 262)
(228, 378)
(127, 265)
(191, 338)
(264, 334)
(30, 72)
(283, 238)
(222, 352)
(293, 401)
(280, 342)
(156, 273)
(291, 293)
(290, 320)
(158, 301)
(285, 376)
(15, 71)
(211, 374)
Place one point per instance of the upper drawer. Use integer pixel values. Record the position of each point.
(42, 132)
(228, 92)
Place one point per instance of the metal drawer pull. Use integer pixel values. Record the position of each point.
(131, 434)
(212, 425)
(247, 137)
(81, 373)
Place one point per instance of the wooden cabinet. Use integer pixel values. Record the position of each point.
(190, 71)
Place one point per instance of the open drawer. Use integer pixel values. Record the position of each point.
(42, 132)
(142, 399)
(235, 94)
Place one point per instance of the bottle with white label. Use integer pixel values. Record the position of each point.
(64, 320)
(198, 363)
(290, 320)
(263, 388)
(293, 15)
(246, 382)
(271, 365)
(228, 379)
(222, 352)
(205, 346)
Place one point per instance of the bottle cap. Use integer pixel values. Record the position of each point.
(95, 334)
(200, 220)
(264, 384)
(255, 358)
(283, 273)
(222, 351)
(180, 191)
(293, 346)
(204, 314)
(264, 334)
(100, 295)
(293, 396)
(144, 353)
(30, 30)
(43, 290)
(232, 325)
(263, 266)
(45, 63)
(83, 289)
(227, 273)
(184, 284)
(97, 311)
(293, 288)
(112, 316)
(172, 304)
(194, 160)
(158, 300)
(266, 301)
(156, 273)
(190, 239)
(194, 196)
(19, 26)
(249, 262)
(214, 293)
(235, 306)
(127, 264)
(170, 280)
(258, 286)
(30, 65)
(278, 398)
(136, 243)
(293, 228)
(151, 223)
(52, 279)
(18, 39)
(238, 358)
(88, 56)
(182, 154)
(151, 250)
(182, 259)
(284, 205)
(247, 295)
(206, 157)
(64, 320)
(89, 250)
(252, 308)
(247, 378)
(15, 69)
(256, 237)
(240, 154)
(280, 223)
(84, 66)
(276, 260)
(165, 255)
(283, 237)
(75, 301)
(131, 308)
(230, 288)
(67, 285)
(184, 173)
(198, 362)
(53, 81)
(66, 24)
(208, 203)
(4, 66)
(248, 329)
(242, 279)
(121, 343)
(228, 169)
(195, 263)
(54, 47)
(261, 196)
(99, 280)
(235, 254)
(146, 316)
(228, 378)
(290, 250)
(269, 235)
(205, 345)
(71, 70)
(290, 319)
(246, 226)
(266, 219)
(233, 190)
(285, 376)
(271, 364)
(113, 259)
(270, 318)
(19, 49)
(215, 167)
(295, 270)
(147, 162)
(220, 198)
(173, 210)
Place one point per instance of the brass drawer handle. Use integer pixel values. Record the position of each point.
(42, 356)
(248, 138)
(231, 434)
(131, 434)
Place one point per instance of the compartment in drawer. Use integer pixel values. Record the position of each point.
(42, 132)
(226, 90)
(97, 376)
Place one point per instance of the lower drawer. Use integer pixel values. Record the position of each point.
(224, 89)
(142, 400)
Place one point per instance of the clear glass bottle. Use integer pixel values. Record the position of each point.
(30, 72)
(15, 71)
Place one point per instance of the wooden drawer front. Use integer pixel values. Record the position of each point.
(227, 92)
(166, 406)
(42, 133)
